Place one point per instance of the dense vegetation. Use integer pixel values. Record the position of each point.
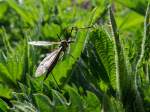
(106, 69)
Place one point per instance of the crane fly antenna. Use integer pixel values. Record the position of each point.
(76, 28)
(71, 30)
(58, 37)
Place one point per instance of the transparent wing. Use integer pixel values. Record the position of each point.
(43, 43)
(47, 63)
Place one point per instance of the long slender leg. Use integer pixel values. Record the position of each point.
(53, 75)
(76, 29)
(55, 81)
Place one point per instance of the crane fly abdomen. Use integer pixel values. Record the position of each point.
(48, 63)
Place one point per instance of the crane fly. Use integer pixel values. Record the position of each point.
(49, 62)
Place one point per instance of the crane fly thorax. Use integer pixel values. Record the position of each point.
(64, 44)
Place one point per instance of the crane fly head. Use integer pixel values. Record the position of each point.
(65, 43)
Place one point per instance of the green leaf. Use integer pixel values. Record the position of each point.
(3, 106)
(4, 7)
(43, 102)
(23, 107)
(5, 76)
(27, 16)
(92, 103)
(58, 98)
(129, 20)
(122, 71)
(105, 50)
(5, 91)
(53, 28)
(137, 5)
(76, 101)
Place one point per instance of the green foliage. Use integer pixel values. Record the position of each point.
(107, 68)
(57, 102)
(3, 106)
(104, 47)
(136, 5)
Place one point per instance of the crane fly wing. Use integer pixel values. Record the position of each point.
(43, 43)
(48, 63)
